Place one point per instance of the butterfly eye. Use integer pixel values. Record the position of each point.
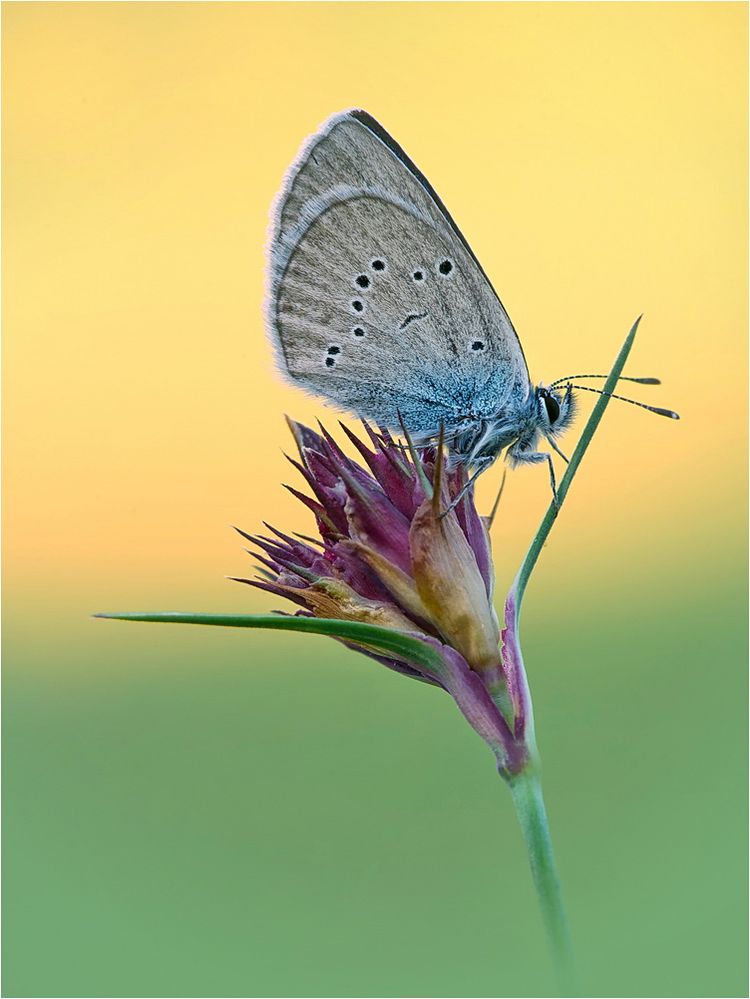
(378, 265)
(445, 267)
(553, 408)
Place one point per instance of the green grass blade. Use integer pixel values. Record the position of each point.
(588, 432)
(395, 643)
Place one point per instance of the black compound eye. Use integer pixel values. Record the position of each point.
(553, 408)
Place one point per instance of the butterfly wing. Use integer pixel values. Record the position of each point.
(376, 300)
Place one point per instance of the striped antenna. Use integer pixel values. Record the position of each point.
(652, 409)
(622, 378)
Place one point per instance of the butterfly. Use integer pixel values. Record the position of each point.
(377, 303)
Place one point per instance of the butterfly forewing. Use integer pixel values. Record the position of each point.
(377, 302)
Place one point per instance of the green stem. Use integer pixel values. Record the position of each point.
(526, 786)
(585, 439)
(526, 789)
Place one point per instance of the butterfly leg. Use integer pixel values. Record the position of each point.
(555, 448)
(552, 480)
(483, 465)
(518, 456)
(496, 504)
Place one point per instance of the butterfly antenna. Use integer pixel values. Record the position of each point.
(622, 378)
(652, 409)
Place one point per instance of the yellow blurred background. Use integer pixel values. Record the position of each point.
(216, 812)
(593, 154)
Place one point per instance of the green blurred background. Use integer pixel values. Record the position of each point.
(198, 812)
(193, 812)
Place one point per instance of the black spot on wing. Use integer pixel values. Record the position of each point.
(412, 318)
(374, 126)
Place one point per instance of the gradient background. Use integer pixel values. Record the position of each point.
(201, 812)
